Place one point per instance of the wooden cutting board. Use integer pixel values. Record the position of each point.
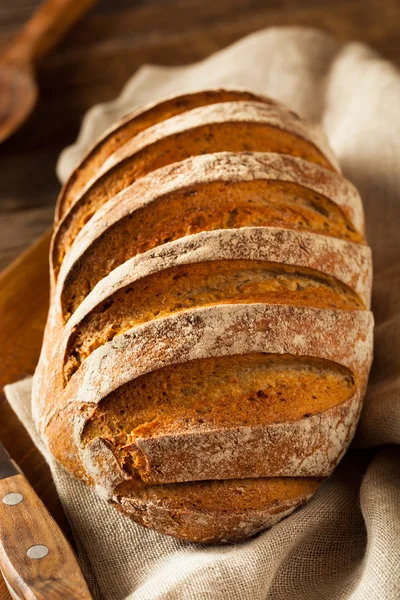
(24, 299)
(24, 292)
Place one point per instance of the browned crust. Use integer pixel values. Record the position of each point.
(187, 177)
(208, 527)
(215, 331)
(61, 413)
(314, 450)
(200, 126)
(134, 123)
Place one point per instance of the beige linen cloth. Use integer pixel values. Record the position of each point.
(345, 543)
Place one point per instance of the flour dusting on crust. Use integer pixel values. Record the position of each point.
(306, 446)
(221, 166)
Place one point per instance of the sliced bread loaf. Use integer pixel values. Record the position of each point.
(209, 337)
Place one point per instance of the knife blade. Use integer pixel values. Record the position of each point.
(36, 560)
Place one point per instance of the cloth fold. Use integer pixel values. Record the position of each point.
(344, 543)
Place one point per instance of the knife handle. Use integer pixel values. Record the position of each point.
(36, 559)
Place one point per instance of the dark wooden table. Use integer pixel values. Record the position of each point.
(91, 66)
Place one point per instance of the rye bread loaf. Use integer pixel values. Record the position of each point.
(209, 336)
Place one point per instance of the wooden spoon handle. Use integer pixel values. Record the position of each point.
(47, 26)
(35, 557)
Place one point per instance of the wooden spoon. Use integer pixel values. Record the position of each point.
(18, 90)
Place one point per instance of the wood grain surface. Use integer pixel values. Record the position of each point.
(91, 66)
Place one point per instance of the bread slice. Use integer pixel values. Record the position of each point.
(217, 331)
(230, 126)
(210, 418)
(134, 123)
(206, 193)
(208, 511)
(257, 264)
(226, 331)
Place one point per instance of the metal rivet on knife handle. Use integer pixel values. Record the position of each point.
(13, 498)
(37, 551)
